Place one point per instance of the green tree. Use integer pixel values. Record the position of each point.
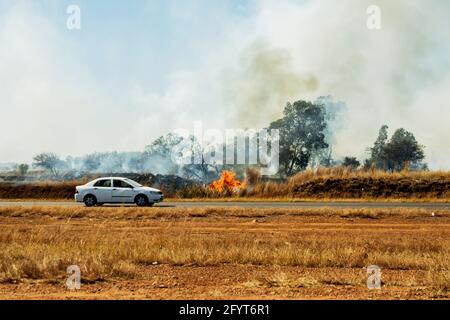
(351, 162)
(378, 155)
(301, 135)
(23, 168)
(401, 150)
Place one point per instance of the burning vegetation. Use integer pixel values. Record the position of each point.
(227, 183)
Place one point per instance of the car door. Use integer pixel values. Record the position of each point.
(103, 191)
(122, 192)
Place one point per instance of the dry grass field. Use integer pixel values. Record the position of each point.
(223, 253)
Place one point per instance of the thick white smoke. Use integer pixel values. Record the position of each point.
(398, 75)
(282, 51)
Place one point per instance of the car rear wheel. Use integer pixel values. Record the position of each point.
(90, 200)
(141, 201)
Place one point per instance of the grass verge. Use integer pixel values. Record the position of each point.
(118, 243)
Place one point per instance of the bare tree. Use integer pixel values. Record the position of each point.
(48, 161)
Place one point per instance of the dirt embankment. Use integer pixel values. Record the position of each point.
(373, 188)
(347, 184)
(51, 190)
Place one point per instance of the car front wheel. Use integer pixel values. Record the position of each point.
(90, 201)
(141, 201)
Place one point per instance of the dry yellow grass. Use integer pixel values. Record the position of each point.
(137, 213)
(346, 173)
(119, 243)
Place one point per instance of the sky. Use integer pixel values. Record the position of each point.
(139, 69)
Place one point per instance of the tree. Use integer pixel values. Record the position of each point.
(92, 162)
(378, 155)
(396, 153)
(113, 162)
(23, 168)
(157, 157)
(301, 135)
(48, 161)
(135, 162)
(335, 119)
(202, 167)
(351, 162)
(402, 150)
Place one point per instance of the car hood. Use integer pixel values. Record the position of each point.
(143, 189)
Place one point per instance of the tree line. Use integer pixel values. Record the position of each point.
(306, 131)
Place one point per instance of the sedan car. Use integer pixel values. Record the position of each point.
(117, 190)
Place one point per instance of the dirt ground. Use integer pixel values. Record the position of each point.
(404, 245)
(224, 282)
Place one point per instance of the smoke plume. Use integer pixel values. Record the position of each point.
(279, 51)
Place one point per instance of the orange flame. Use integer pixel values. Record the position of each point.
(226, 182)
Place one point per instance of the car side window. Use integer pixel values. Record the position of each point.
(105, 183)
(121, 184)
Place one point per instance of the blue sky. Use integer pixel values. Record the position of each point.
(139, 69)
(144, 40)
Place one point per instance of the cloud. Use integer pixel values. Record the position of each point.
(49, 100)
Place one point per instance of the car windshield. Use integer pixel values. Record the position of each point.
(133, 183)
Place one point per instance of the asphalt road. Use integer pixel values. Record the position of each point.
(420, 205)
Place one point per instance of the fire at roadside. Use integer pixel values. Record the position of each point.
(227, 184)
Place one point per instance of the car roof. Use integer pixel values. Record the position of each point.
(107, 178)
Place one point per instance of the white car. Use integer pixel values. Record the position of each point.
(117, 190)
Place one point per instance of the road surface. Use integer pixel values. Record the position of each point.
(293, 205)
